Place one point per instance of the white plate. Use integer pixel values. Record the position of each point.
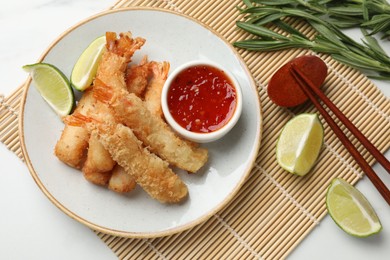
(177, 39)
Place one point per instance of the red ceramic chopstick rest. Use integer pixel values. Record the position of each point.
(284, 90)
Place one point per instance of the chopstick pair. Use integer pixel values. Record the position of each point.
(311, 92)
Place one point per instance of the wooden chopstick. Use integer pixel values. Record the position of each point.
(347, 123)
(311, 92)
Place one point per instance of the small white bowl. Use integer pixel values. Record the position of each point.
(194, 136)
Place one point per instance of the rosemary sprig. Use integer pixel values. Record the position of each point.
(373, 15)
(329, 39)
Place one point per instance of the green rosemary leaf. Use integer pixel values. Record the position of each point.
(346, 10)
(262, 10)
(259, 45)
(362, 52)
(324, 2)
(372, 43)
(302, 14)
(347, 40)
(380, 27)
(312, 5)
(366, 16)
(378, 23)
(328, 34)
(260, 31)
(274, 2)
(345, 22)
(259, 10)
(381, 76)
(377, 19)
(360, 62)
(386, 35)
(322, 44)
(287, 28)
(248, 3)
(268, 19)
(376, 7)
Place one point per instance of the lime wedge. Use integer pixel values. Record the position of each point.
(300, 143)
(86, 66)
(350, 209)
(53, 86)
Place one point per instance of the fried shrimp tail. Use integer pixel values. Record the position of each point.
(78, 119)
(137, 77)
(160, 72)
(149, 171)
(114, 61)
(102, 92)
(125, 46)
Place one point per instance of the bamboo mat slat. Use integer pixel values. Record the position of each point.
(274, 211)
(9, 111)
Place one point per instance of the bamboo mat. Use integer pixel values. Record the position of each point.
(274, 210)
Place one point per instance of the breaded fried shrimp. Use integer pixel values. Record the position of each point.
(98, 165)
(72, 146)
(117, 135)
(148, 170)
(160, 72)
(151, 129)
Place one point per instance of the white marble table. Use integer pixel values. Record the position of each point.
(33, 228)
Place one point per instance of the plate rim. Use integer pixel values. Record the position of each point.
(173, 230)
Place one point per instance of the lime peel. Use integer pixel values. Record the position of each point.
(299, 143)
(86, 66)
(53, 86)
(350, 210)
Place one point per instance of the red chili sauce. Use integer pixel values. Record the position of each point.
(202, 99)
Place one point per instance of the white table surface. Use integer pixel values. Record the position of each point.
(33, 228)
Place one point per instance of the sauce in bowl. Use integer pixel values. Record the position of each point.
(201, 101)
(202, 98)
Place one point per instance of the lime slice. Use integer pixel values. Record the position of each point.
(86, 66)
(53, 86)
(350, 209)
(300, 143)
